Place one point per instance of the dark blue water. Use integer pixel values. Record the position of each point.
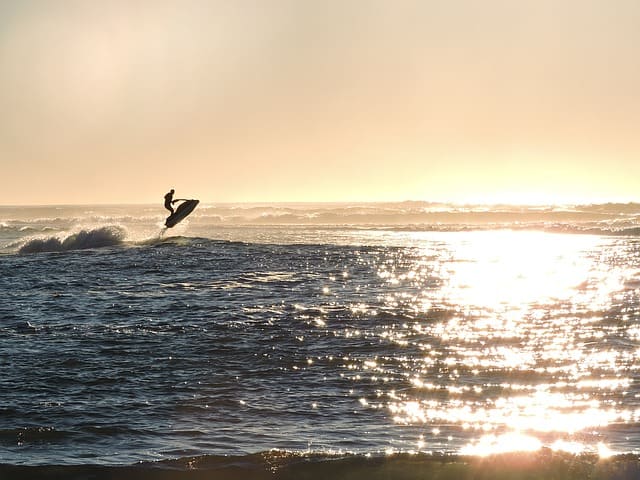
(184, 347)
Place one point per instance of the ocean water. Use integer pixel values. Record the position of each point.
(306, 341)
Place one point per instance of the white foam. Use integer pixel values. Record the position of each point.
(83, 239)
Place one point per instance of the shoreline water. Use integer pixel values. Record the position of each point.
(541, 465)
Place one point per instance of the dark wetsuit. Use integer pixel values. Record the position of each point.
(167, 202)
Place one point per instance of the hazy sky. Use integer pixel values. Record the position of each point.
(297, 100)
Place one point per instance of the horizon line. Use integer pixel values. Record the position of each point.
(336, 202)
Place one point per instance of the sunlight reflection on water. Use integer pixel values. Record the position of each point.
(520, 356)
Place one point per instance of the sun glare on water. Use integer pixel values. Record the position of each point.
(518, 357)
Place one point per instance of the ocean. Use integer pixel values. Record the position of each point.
(399, 340)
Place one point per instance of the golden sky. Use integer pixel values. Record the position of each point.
(335, 100)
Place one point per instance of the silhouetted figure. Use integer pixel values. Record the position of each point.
(168, 200)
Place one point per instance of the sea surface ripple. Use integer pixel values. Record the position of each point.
(369, 341)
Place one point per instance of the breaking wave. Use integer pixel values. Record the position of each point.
(93, 238)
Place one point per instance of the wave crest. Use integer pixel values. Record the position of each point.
(93, 238)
